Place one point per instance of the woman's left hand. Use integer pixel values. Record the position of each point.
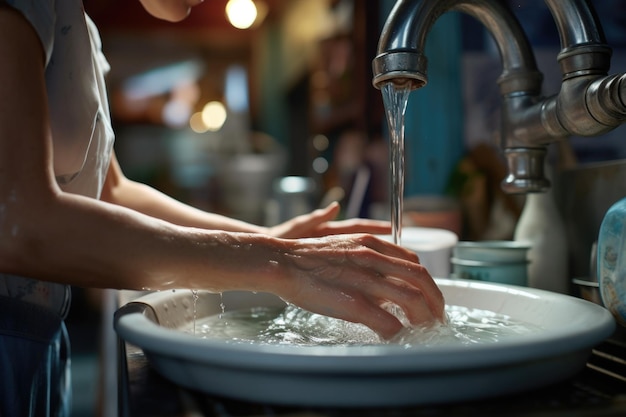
(321, 223)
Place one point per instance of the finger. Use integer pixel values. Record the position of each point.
(415, 286)
(328, 213)
(389, 260)
(420, 307)
(386, 247)
(412, 302)
(377, 318)
(378, 227)
(357, 308)
(401, 265)
(318, 216)
(307, 224)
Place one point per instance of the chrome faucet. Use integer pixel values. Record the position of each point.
(589, 103)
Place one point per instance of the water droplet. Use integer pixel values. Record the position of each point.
(195, 306)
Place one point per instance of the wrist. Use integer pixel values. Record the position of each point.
(275, 272)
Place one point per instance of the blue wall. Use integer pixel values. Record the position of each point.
(434, 118)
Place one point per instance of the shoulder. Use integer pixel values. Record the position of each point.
(41, 15)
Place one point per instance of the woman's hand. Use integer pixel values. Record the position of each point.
(321, 223)
(353, 277)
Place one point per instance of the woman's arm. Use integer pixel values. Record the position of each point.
(48, 234)
(120, 190)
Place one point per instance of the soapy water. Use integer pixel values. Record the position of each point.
(294, 326)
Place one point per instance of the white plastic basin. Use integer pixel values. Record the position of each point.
(376, 375)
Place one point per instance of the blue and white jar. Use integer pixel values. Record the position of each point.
(612, 260)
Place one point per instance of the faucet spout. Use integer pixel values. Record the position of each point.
(589, 102)
(400, 57)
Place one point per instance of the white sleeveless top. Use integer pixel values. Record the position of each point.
(79, 115)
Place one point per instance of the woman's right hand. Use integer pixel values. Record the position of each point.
(352, 277)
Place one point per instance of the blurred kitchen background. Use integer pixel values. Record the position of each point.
(216, 115)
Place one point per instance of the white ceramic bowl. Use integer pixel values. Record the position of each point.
(566, 328)
(433, 246)
(505, 251)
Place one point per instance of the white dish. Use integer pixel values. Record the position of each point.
(377, 375)
(433, 246)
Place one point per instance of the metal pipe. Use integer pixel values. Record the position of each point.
(589, 103)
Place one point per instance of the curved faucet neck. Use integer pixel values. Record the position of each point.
(589, 102)
(583, 46)
(403, 39)
(576, 22)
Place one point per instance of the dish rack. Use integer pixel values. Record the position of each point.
(609, 358)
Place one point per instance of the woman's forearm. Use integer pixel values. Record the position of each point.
(143, 240)
(94, 244)
(140, 197)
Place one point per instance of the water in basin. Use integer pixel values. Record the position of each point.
(294, 326)
(500, 339)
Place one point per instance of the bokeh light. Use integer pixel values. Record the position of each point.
(241, 13)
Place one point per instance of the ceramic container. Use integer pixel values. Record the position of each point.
(499, 251)
(541, 226)
(588, 290)
(514, 273)
(611, 259)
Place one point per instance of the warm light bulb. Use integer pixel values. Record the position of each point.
(214, 115)
(197, 124)
(241, 13)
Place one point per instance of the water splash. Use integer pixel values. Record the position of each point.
(294, 326)
(222, 305)
(195, 308)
